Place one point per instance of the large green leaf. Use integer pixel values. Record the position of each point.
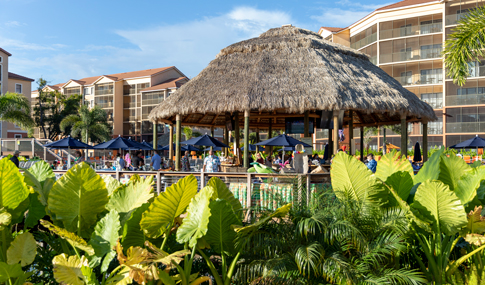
(220, 235)
(8, 271)
(41, 178)
(401, 182)
(469, 183)
(222, 192)
(451, 169)
(72, 238)
(41, 170)
(106, 234)
(67, 269)
(132, 233)
(198, 213)
(436, 202)
(111, 184)
(78, 197)
(126, 199)
(23, 249)
(430, 169)
(167, 206)
(351, 179)
(392, 163)
(36, 211)
(13, 189)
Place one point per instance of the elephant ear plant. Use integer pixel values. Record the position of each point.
(436, 200)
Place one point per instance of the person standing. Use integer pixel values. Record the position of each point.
(121, 162)
(156, 161)
(259, 159)
(79, 157)
(137, 161)
(185, 162)
(15, 158)
(128, 161)
(212, 163)
(371, 163)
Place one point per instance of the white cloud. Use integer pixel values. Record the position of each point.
(21, 45)
(189, 45)
(348, 14)
(14, 24)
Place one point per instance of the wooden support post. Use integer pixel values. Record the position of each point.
(170, 146)
(258, 139)
(236, 134)
(384, 145)
(351, 132)
(155, 136)
(246, 139)
(269, 149)
(362, 144)
(226, 140)
(212, 135)
(306, 125)
(202, 180)
(425, 141)
(177, 143)
(335, 132)
(404, 139)
(330, 144)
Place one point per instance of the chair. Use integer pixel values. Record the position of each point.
(467, 158)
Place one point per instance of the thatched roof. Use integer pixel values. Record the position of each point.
(289, 70)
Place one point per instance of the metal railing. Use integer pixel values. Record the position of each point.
(417, 54)
(468, 99)
(438, 104)
(30, 147)
(411, 31)
(253, 190)
(465, 127)
(454, 18)
(365, 41)
(417, 79)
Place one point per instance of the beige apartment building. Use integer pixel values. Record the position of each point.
(11, 82)
(127, 97)
(406, 40)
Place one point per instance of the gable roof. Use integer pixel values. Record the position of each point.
(170, 83)
(12, 75)
(5, 52)
(405, 3)
(333, 29)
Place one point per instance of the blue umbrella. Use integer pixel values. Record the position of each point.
(204, 140)
(252, 147)
(282, 140)
(68, 143)
(140, 145)
(182, 148)
(288, 148)
(417, 153)
(475, 142)
(117, 143)
(216, 148)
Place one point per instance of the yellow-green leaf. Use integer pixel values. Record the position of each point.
(67, 269)
(222, 192)
(13, 189)
(132, 196)
(392, 163)
(72, 238)
(23, 249)
(111, 184)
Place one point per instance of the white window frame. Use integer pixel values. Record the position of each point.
(17, 136)
(21, 88)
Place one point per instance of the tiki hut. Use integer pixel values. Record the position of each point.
(290, 72)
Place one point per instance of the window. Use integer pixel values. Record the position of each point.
(435, 100)
(431, 76)
(1, 58)
(0, 73)
(87, 91)
(17, 127)
(406, 78)
(18, 88)
(476, 68)
(428, 27)
(431, 51)
(17, 136)
(405, 30)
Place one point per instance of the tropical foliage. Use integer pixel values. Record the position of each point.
(91, 125)
(15, 108)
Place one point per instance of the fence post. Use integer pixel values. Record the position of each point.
(45, 153)
(249, 190)
(118, 175)
(16, 144)
(33, 148)
(308, 189)
(159, 182)
(202, 179)
(300, 189)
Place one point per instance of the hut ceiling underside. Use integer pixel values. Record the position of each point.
(262, 119)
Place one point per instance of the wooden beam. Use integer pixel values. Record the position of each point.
(373, 116)
(203, 117)
(215, 118)
(359, 115)
(186, 119)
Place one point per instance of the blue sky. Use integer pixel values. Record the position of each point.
(60, 40)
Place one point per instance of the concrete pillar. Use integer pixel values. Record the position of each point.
(177, 143)
(404, 139)
(246, 139)
(425, 141)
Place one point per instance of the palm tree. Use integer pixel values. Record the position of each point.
(91, 125)
(466, 44)
(187, 132)
(15, 108)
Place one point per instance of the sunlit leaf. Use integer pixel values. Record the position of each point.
(126, 199)
(391, 163)
(13, 189)
(222, 192)
(72, 238)
(106, 234)
(67, 269)
(219, 234)
(23, 249)
(452, 169)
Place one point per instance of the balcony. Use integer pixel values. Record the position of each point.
(365, 41)
(468, 99)
(435, 104)
(411, 31)
(453, 19)
(419, 79)
(129, 105)
(417, 54)
(465, 127)
(104, 104)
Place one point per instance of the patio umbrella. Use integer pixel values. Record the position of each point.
(216, 148)
(205, 140)
(182, 148)
(288, 148)
(252, 147)
(140, 145)
(325, 153)
(476, 142)
(417, 153)
(68, 143)
(117, 143)
(284, 141)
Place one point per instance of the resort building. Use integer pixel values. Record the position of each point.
(406, 39)
(127, 97)
(11, 82)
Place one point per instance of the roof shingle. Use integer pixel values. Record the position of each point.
(12, 75)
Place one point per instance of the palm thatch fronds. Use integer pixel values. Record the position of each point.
(291, 70)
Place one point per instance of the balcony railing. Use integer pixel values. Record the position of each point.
(411, 31)
(465, 127)
(468, 99)
(438, 104)
(129, 105)
(419, 80)
(411, 55)
(454, 18)
(104, 104)
(365, 41)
